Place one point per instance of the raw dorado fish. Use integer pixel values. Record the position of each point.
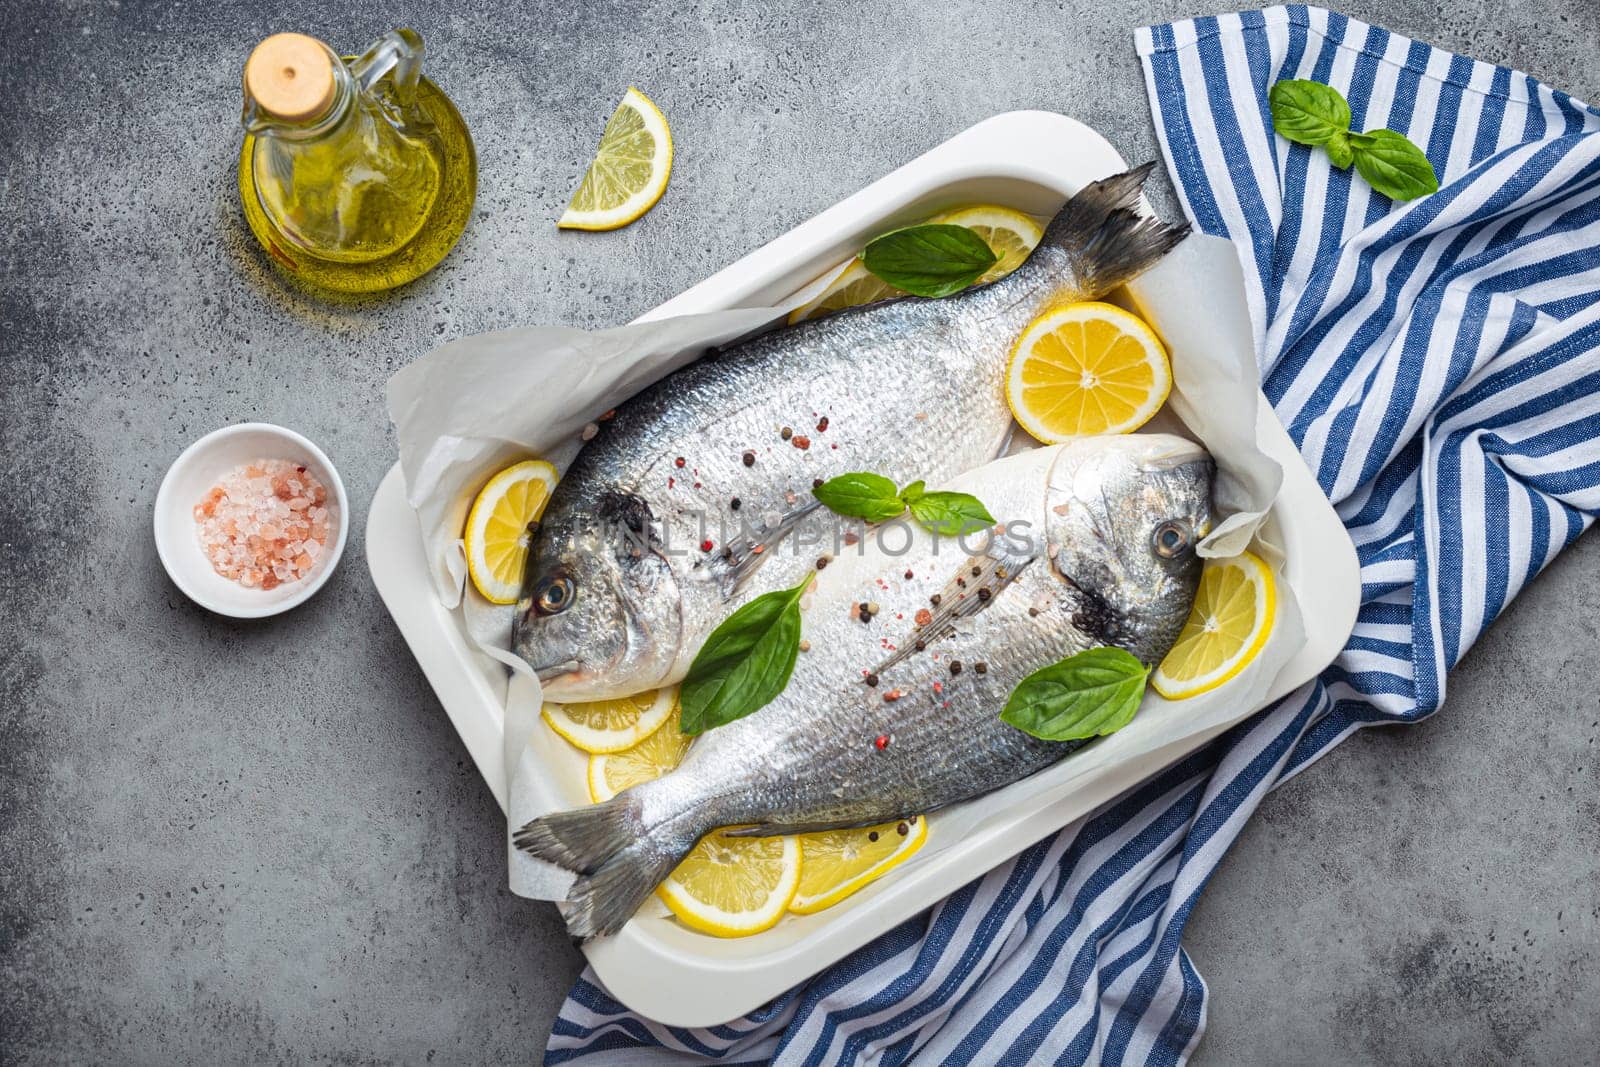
(675, 513)
(1098, 550)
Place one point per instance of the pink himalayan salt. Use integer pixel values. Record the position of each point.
(264, 523)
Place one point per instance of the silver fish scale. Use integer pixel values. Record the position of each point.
(911, 389)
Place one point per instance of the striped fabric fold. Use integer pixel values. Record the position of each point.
(1438, 365)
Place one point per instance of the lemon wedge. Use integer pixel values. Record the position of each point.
(629, 171)
(1010, 234)
(497, 535)
(1227, 628)
(611, 773)
(839, 862)
(612, 725)
(1084, 369)
(734, 886)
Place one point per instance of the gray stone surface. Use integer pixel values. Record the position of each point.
(226, 841)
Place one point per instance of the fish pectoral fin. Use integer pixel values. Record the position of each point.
(978, 583)
(743, 555)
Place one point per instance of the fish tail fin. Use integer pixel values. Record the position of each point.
(618, 856)
(1107, 239)
(603, 902)
(583, 839)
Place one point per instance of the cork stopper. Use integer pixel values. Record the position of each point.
(290, 76)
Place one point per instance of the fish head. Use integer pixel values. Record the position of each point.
(1123, 517)
(600, 615)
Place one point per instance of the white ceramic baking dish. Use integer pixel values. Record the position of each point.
(1029, 160)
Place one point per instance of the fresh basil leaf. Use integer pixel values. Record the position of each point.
(1393, 165)
(915, 491)
(950, 513)
(1340, 152)
(934, 260)
(860, 495)
(1308, 112)
(1091, 694)
(744, 664)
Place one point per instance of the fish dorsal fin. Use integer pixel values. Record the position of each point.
(973, 588)
(745, 553)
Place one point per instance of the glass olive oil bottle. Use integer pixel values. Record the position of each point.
(355, 176)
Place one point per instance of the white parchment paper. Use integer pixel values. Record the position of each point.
(477, 404)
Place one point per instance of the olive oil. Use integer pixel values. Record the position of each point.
(354, 178)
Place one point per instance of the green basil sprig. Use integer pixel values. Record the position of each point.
(1390, 162)
(1091, 694)
(933, 260)
(869, 496)
(1311, 113)
(745, 663)
(860, 495)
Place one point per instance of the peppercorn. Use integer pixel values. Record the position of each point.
(749, 459)
(984, 594)
(786, 433)
(872, 680)
(734, 504)
(981, 667)
(955, 666)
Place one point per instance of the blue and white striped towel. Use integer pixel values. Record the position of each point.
(1438, 364)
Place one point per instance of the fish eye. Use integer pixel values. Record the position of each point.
(1171, 539)
(551, 596)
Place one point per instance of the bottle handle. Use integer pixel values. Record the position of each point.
(399, 51)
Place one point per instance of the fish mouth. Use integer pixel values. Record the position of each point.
(556, 670)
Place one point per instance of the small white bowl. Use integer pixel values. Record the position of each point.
(201, 466)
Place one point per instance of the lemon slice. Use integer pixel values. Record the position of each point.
(1010, 234)
(839, 862)
(497, 528)
(611, 773)
(857, 285)
(1086, 369)
(733, 886)
(630, 168)
(612, 725)
(1227, 628)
